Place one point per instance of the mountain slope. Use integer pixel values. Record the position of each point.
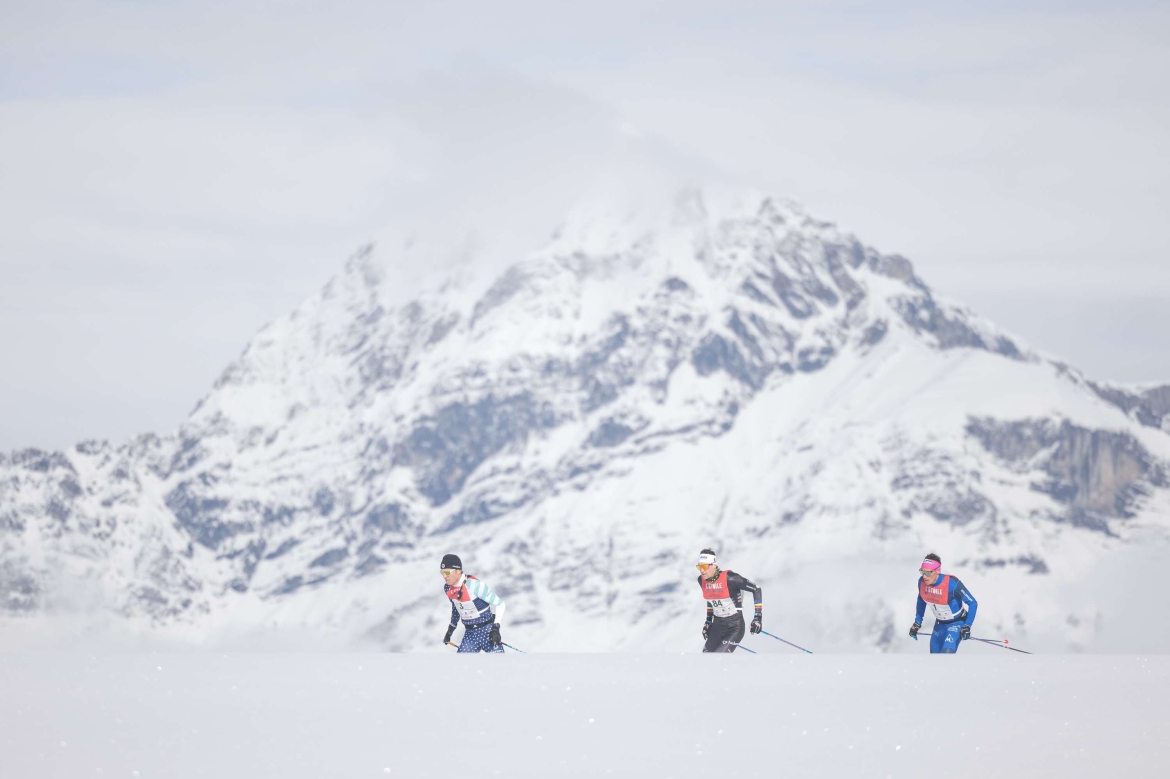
(719, 368)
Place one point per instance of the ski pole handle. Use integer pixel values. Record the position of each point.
(802, 649)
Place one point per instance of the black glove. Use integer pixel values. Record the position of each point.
(494, 635)
(706, 629)
(914, 630)
(964, 632)
(450, 632)
(757, 624)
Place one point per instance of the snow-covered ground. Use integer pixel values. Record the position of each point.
(983, 713)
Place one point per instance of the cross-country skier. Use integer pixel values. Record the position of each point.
(723, 591)
(473, 602)
(953, 606)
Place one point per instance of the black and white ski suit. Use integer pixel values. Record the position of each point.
(724, 595)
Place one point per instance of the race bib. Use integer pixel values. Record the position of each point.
(942, 612)
(723, 607)
(467, 610)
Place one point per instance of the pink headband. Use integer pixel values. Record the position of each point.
(930, 565)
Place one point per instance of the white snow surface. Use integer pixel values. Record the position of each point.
(981, 713)
(715, 369)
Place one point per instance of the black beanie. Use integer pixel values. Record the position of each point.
(451, 561)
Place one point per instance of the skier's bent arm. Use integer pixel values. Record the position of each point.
(742, 584)
(451, 627)
(921, 610)
(487, 595)
(756, 591)
(972, 604)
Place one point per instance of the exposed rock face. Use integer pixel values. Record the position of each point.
(446, 448)
(1098, 474)
(952, 329)
(1151, 407)
(737, 373)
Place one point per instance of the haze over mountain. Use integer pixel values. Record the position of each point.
(231, 157)
(671, 367)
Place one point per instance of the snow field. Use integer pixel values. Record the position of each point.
(243, 716)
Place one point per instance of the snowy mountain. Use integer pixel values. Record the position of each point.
(718, 369)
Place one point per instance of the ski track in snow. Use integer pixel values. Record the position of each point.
(981, 713)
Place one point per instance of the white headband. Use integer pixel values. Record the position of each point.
(706, 559)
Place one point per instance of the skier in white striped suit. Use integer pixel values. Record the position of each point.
(475, 604)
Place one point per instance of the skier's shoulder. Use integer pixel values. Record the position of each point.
(479, 587)
(736, 578)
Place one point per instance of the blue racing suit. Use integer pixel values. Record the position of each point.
(952, 611)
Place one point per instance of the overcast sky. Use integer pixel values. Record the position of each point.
(175, 174)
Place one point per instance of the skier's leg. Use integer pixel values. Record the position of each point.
(950, 643)
(732, 641)
(724, 635)
(713, 634)
(468, 642)
(477, 639)
(717, 636)
(936, 639)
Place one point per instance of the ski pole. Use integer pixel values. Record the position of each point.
(1004, 645)
(744, 648)
(999, 642)
(514, 649)
(802, 649)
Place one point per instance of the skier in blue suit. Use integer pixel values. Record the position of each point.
(953, 605)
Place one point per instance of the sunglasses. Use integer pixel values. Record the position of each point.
(927, 573)
(447, 571)
(705, 566)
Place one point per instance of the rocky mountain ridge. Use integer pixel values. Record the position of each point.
(724, 369)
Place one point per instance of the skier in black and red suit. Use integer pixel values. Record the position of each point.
(723, 591)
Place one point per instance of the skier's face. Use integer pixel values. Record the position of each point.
(451, 575)
(930, 577)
